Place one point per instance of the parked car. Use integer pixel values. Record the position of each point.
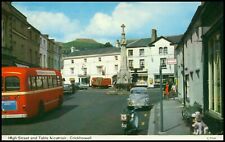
(80, 86)
(67, 88)
(138, 98)
(83, 86)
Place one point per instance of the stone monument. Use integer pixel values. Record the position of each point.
(123, 76)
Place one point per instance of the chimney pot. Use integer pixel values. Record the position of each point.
(154, 35)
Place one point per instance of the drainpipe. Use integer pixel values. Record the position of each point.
(184, 95)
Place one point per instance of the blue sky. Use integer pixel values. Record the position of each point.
(101, 21)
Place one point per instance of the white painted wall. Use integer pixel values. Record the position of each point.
(107, 61)
(193, 58)
(154, 59)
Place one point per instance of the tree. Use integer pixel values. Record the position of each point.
(107, 44)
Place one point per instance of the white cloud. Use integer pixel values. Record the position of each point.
(139, 18)
(134, 17)
(56, 25)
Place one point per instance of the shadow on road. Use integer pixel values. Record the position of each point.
(54, 114)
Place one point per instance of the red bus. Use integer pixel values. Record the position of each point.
(29, 92)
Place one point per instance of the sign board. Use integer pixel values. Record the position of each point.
(171, 61)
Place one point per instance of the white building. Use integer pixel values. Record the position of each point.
(43, 51)
(144, 55)
(84, 65)
(190, 86)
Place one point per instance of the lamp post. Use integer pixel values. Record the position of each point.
(161, 66)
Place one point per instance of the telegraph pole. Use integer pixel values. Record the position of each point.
(161, 98)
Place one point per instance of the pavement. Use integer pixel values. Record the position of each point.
(172, 119)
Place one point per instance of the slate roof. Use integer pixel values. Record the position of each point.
(95, 51)
(144, 42)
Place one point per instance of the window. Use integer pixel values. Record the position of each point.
(99, 70)
(99, 59)
(39, 82)
(116, 57)
(130, 63)
(50, 84)
(141, 52)
(142, 63)
(85, 71)
(214, 75)
(12, 83)
(165, 50)
(71, 70)
(45, 81)
(116, 68)
(163, 62)
(41, 60)
(54, 80)
(72, 61)
(32, 82)
(160, 50)
(130, 52)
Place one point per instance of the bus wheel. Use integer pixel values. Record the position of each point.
(41, 110)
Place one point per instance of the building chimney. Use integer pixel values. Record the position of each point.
(154, 35)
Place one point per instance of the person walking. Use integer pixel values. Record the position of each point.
(166, 91)
(173, 91)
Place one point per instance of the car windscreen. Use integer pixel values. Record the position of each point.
(138, 92)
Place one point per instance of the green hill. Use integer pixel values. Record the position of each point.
(81, 45)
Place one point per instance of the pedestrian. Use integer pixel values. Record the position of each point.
(173, 91)
(166, 91)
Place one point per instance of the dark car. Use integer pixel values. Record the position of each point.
(67, 88)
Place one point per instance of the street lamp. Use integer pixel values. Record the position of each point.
(161, 66)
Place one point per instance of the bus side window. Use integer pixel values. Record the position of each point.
(45, 82)
(54, 81)
(12, 83)
(39, 82)
(32, 82)
(50, 85)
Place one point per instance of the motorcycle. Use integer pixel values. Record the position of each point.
(129, 121)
